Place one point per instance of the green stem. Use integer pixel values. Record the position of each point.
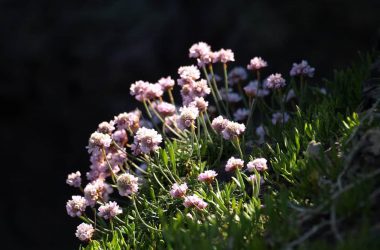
(212, 89)
(205, 127)
(141, 219)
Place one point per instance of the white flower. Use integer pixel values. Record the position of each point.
(233, 164)
(109, 210)
(85, 232)
(147, 139)
(257, 63)
(260, 164)
(127, 184)
(233, 130)
(187, 117)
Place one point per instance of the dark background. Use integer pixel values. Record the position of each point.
(67, 65)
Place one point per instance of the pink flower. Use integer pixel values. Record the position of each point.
(98, 141)
(85, 232)
(187, 117)
(128, 121)
(233, 130)
(275, 81)
(200, 104)
(76, 206)
(257, 63)
(199, 49)
(260, 164)
(302, 68)
(234, 164)
(189, 73)
(207, 176)
(251, 88)
(109, 210)
(138, 90)
(207, 58)
(178, 191)
(165, 109)
(200, 88)
(74, 179)
(241, 114)
(166, 83)
(194, 201)
(106, 127)
(127, 184)
(97, 190)
(278, 117)
(147, 140)
(219, 124)
(120, 137)
(224, 56)
(230, 96)
(153, 91)
(236, 75)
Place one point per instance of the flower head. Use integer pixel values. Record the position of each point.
(302, 68)
(234, 164)
(233, 130)
(76, 206)
(120, 137)
(106, 127)
(166, 83)
(207, 176)
(219, 124)
(109, 210)
(97, 190)
(200, 88)
(241, 114)
(257, 63)
(165, 109)
(199, 103)
(138, 89)
(127, 184)
(85, 232)
(260, 164)
(280, 118)
(199, 49)
(194, 201)
(74, 179)
(275, 81)
(98, 140)
(236, 75)
(128, 121)
(189, 73)
(187, 117)
(224, 56)
(178, 191)
(147, 140)
(252, 88)
(153, 91)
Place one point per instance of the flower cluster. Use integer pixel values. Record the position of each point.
(210, 127)
(302, 68)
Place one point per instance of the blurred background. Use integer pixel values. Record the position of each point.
(65, 66)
